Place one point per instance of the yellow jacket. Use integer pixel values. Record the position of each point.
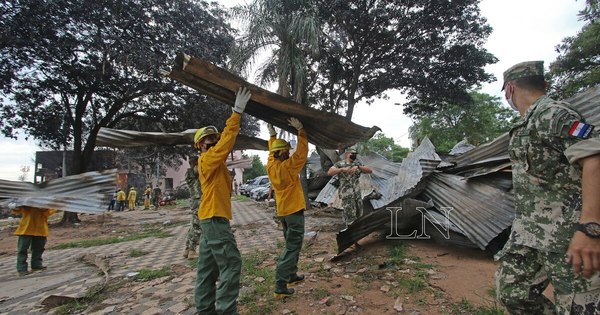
(34, 221)
(285, 177)
(132, 194)
(215, 180)
(121, 196)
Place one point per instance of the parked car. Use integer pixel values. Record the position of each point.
(246, 188)
(260, 193)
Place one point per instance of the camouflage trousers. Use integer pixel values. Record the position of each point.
(194, 232)
(353, 207)
(525, 272)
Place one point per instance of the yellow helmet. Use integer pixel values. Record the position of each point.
(279, 144)
(202, 133)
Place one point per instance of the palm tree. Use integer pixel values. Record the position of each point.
(288, 31)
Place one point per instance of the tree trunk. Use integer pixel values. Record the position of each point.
(69, 217)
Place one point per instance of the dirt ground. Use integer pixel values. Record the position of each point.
(430, 278)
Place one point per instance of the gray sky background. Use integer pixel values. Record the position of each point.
(522, 30)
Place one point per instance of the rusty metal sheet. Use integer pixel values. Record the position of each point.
(108, 137)
(324, 129)
(83, 193)
(480, 210)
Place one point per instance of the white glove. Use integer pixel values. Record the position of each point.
(272, 131)
(241, 99)
(294, 122)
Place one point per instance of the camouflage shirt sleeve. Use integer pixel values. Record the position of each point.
(554, 128)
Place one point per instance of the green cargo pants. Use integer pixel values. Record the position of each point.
(293, 232)
(219, 258)
(524, 273)
(37, 245)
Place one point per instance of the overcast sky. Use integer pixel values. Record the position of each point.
(522, 30)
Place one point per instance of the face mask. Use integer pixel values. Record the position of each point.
(512, 105)
(352, 156)
(210, 145)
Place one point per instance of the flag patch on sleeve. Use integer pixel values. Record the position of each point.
(581, 130)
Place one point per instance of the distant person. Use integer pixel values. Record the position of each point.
(555, 236)
(131, 198)
(32, 232)
(220, 259)
(157, 194)
(235, 187)
(194, 232)
(113, 201)
(121, 197)
(147, 197)
(348, 172)
(284, 175)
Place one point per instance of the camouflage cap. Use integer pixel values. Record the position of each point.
(523, 69)
(352, 149)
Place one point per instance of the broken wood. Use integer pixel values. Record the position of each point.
(324, 129)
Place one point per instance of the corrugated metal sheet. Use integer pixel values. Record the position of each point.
(84, 193)
(480, 210)
(324, 129)
(108, 137)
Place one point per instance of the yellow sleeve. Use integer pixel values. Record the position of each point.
(271, 158)
(297, 160)
(49, 212)
(17, 211)
(218, 154)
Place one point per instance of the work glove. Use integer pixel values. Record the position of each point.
(294, 122)
(272, 131)
(241, 99)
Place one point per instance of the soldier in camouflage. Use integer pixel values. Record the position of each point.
(348, 172)
(555, 236)
(193, 234)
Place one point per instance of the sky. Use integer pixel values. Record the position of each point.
(522, 30)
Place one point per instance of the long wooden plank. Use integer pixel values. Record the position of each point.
(326, 130)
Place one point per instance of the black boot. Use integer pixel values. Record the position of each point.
(283, 293)
(295, 279)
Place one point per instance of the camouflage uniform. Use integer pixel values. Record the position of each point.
(548, 203)
(193, 235)
(349, 192)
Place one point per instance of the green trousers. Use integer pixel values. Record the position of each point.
(219, 259)
(293, 232)
(37, 245)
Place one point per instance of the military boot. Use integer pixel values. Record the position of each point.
(282, 294)
(295, 279)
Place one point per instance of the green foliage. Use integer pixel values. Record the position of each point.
(384, 146)
(137, 253)
(258, 169)
(70, 67)
(577, 67)
(479, 121)
(432, 50)
(152, 232)
(151, 274)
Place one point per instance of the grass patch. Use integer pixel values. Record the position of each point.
(240, 198)
(93, 295)
(397, 253)
(464, 306)
(412, 284)
(151, 274)
(319, 293)
(152, 232)
(259, 300)
(137, 253)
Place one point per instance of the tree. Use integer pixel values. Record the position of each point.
(24, 173)
(289, 30)
(578, 65)
(71, 67)
(258, 169)
(431, 50)
(384, 146)
(479, 121)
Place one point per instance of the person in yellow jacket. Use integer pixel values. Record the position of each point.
(121, 197)
(131, 198)
(32, 232)
(219, 257)
(284, 174)
(147, 196)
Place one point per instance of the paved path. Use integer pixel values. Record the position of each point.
(69, 277)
